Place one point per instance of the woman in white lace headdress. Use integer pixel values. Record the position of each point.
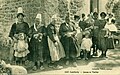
(19, 33)
(55, 46)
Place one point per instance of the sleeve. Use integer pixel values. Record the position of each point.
(12, 30)
(50, 34)
(30, 32)
(27, 29)
(106, 26)
(90, 42)
(62, 31)
(115, 28)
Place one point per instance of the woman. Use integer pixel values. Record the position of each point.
(78, 35)
(19, 27)
(55, 47)
(102, 35)
(67, 32)
(36, 44)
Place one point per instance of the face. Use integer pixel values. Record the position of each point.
(20, 18)
(77, 19)
(103, 16)
(67, 20)
(96, 16)
(21, 36)
(37, 21)
(87, 36)
(54, 21)
(110, 16)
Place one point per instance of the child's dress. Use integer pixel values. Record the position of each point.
(21, 48)
(86, 44)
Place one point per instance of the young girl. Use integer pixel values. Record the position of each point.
(21, 48)
(86, 44)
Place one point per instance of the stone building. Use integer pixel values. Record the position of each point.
(47, 8)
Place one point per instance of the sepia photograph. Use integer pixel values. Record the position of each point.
(59, 37)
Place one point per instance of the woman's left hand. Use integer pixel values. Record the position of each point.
(56, 44)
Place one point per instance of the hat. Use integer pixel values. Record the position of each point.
(103, 14)
(55, 16)
(20, 10)
(38, 16)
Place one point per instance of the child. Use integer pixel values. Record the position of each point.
(86, 45)
(112, 32)
(21, 48)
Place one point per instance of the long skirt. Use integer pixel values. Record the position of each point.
(56, 53)
(36, 50)
(110, 43)
(70, 47)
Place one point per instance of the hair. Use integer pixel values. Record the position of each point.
(95, 13)
(110, 14)
(113, 21)
(103, 14)
(107, 20)
(83, 15)
(76, 17)
(20, 14)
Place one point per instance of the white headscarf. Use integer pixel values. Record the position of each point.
(20, 10)
(55, 16)
(37, 17)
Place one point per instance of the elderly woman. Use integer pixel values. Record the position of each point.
(55, 47)
(16, 29)
(67, 32)
(36, 44)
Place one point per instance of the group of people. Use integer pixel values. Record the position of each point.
(74, 39)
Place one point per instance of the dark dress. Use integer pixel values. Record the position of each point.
(19, 28)
(83, 25)
(35, 46)
(69, 43)
(102, 43)
(95, 32)
(102, 40)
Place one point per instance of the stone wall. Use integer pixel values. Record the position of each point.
(9, 8)
(47, 8)
(30, 7)
(116, 11)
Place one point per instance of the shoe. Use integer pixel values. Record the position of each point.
(95, 54)
(75, 64)
(50, 66)
(59, 67)
(86, 58)
(101, 56)
(34, 68)
(42, 68)
(78, 58)
(67, 63)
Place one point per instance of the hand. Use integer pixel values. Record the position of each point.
(16, 35)
(14, 39)
(106, 36)
(56, 44)
(35, 36)
(68, 35)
